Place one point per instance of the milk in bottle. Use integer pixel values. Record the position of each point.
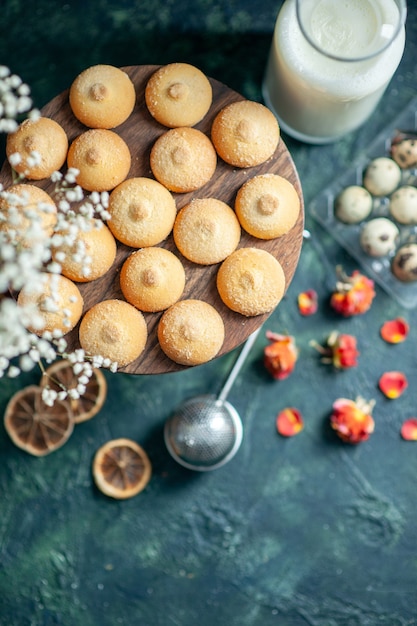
(325, 79)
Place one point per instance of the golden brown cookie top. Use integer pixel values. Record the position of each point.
(206, 231)
(30, 213)
(245, 133)
(102, 96)
(178, 94)
(58, 301)
(90, 255)
(114, 329)
(43, 140)
(102, 158)
(267, 206)
(183, 159)
(152, 279)
(142, 212)
(251, 281)
(191, 332)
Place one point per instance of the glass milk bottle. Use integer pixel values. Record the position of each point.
(330, 62)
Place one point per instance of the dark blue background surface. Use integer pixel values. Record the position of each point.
(292, 532)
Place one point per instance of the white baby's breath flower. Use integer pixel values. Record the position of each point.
(71, 175)
(24, 342)
(71, 195)
(95, 197)
(56, 177)
(61, 345)
(13, 371)
(64, 205)
(81, 389)
(26, 363)
(8, 126)
(49, 395)
(54, 267)
(34, 115)
(74, 394)
(105, 216)
(34, 354)
(23, 90)
(97, 360)
(15, 159)
(34, 159)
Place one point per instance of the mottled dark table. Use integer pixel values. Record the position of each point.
(292, 532)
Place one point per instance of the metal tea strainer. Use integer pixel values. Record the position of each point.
(206, 431)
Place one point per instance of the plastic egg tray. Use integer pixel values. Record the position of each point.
(348, 235)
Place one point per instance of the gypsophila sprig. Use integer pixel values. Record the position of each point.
(31, 235)
(15, 100)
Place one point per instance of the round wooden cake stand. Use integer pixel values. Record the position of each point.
(140, 132)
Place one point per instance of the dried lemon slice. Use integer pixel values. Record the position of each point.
(34, 426)
(60, 375)
(121, 468)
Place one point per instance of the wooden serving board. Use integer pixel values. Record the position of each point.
(140, 132)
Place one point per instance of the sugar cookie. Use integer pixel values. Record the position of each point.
(57, 301)
(267, 206)
(102, 158)
(102, 96)
(115, 330)
(30, 214)
(178, 94)
(43, 137)
(245, 133)
(183, 159)
(251, 281)
(206, 231)
(142, 212)
(88, 255)
(152, 279)
(191, 332)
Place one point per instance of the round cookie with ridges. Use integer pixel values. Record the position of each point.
(191, 332)
(29, 214)
(178, 94)
(44, 137)
(245, 133)
(56, 302)
(206, 231)
(88, 255)
(152, 279)
(142, 212)
(353, 204)
(102, 96)
(102, 158)
(251, 281)
(183, 159)
(115, 330)
(404, 263)
(267, 206)
(382, 176)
